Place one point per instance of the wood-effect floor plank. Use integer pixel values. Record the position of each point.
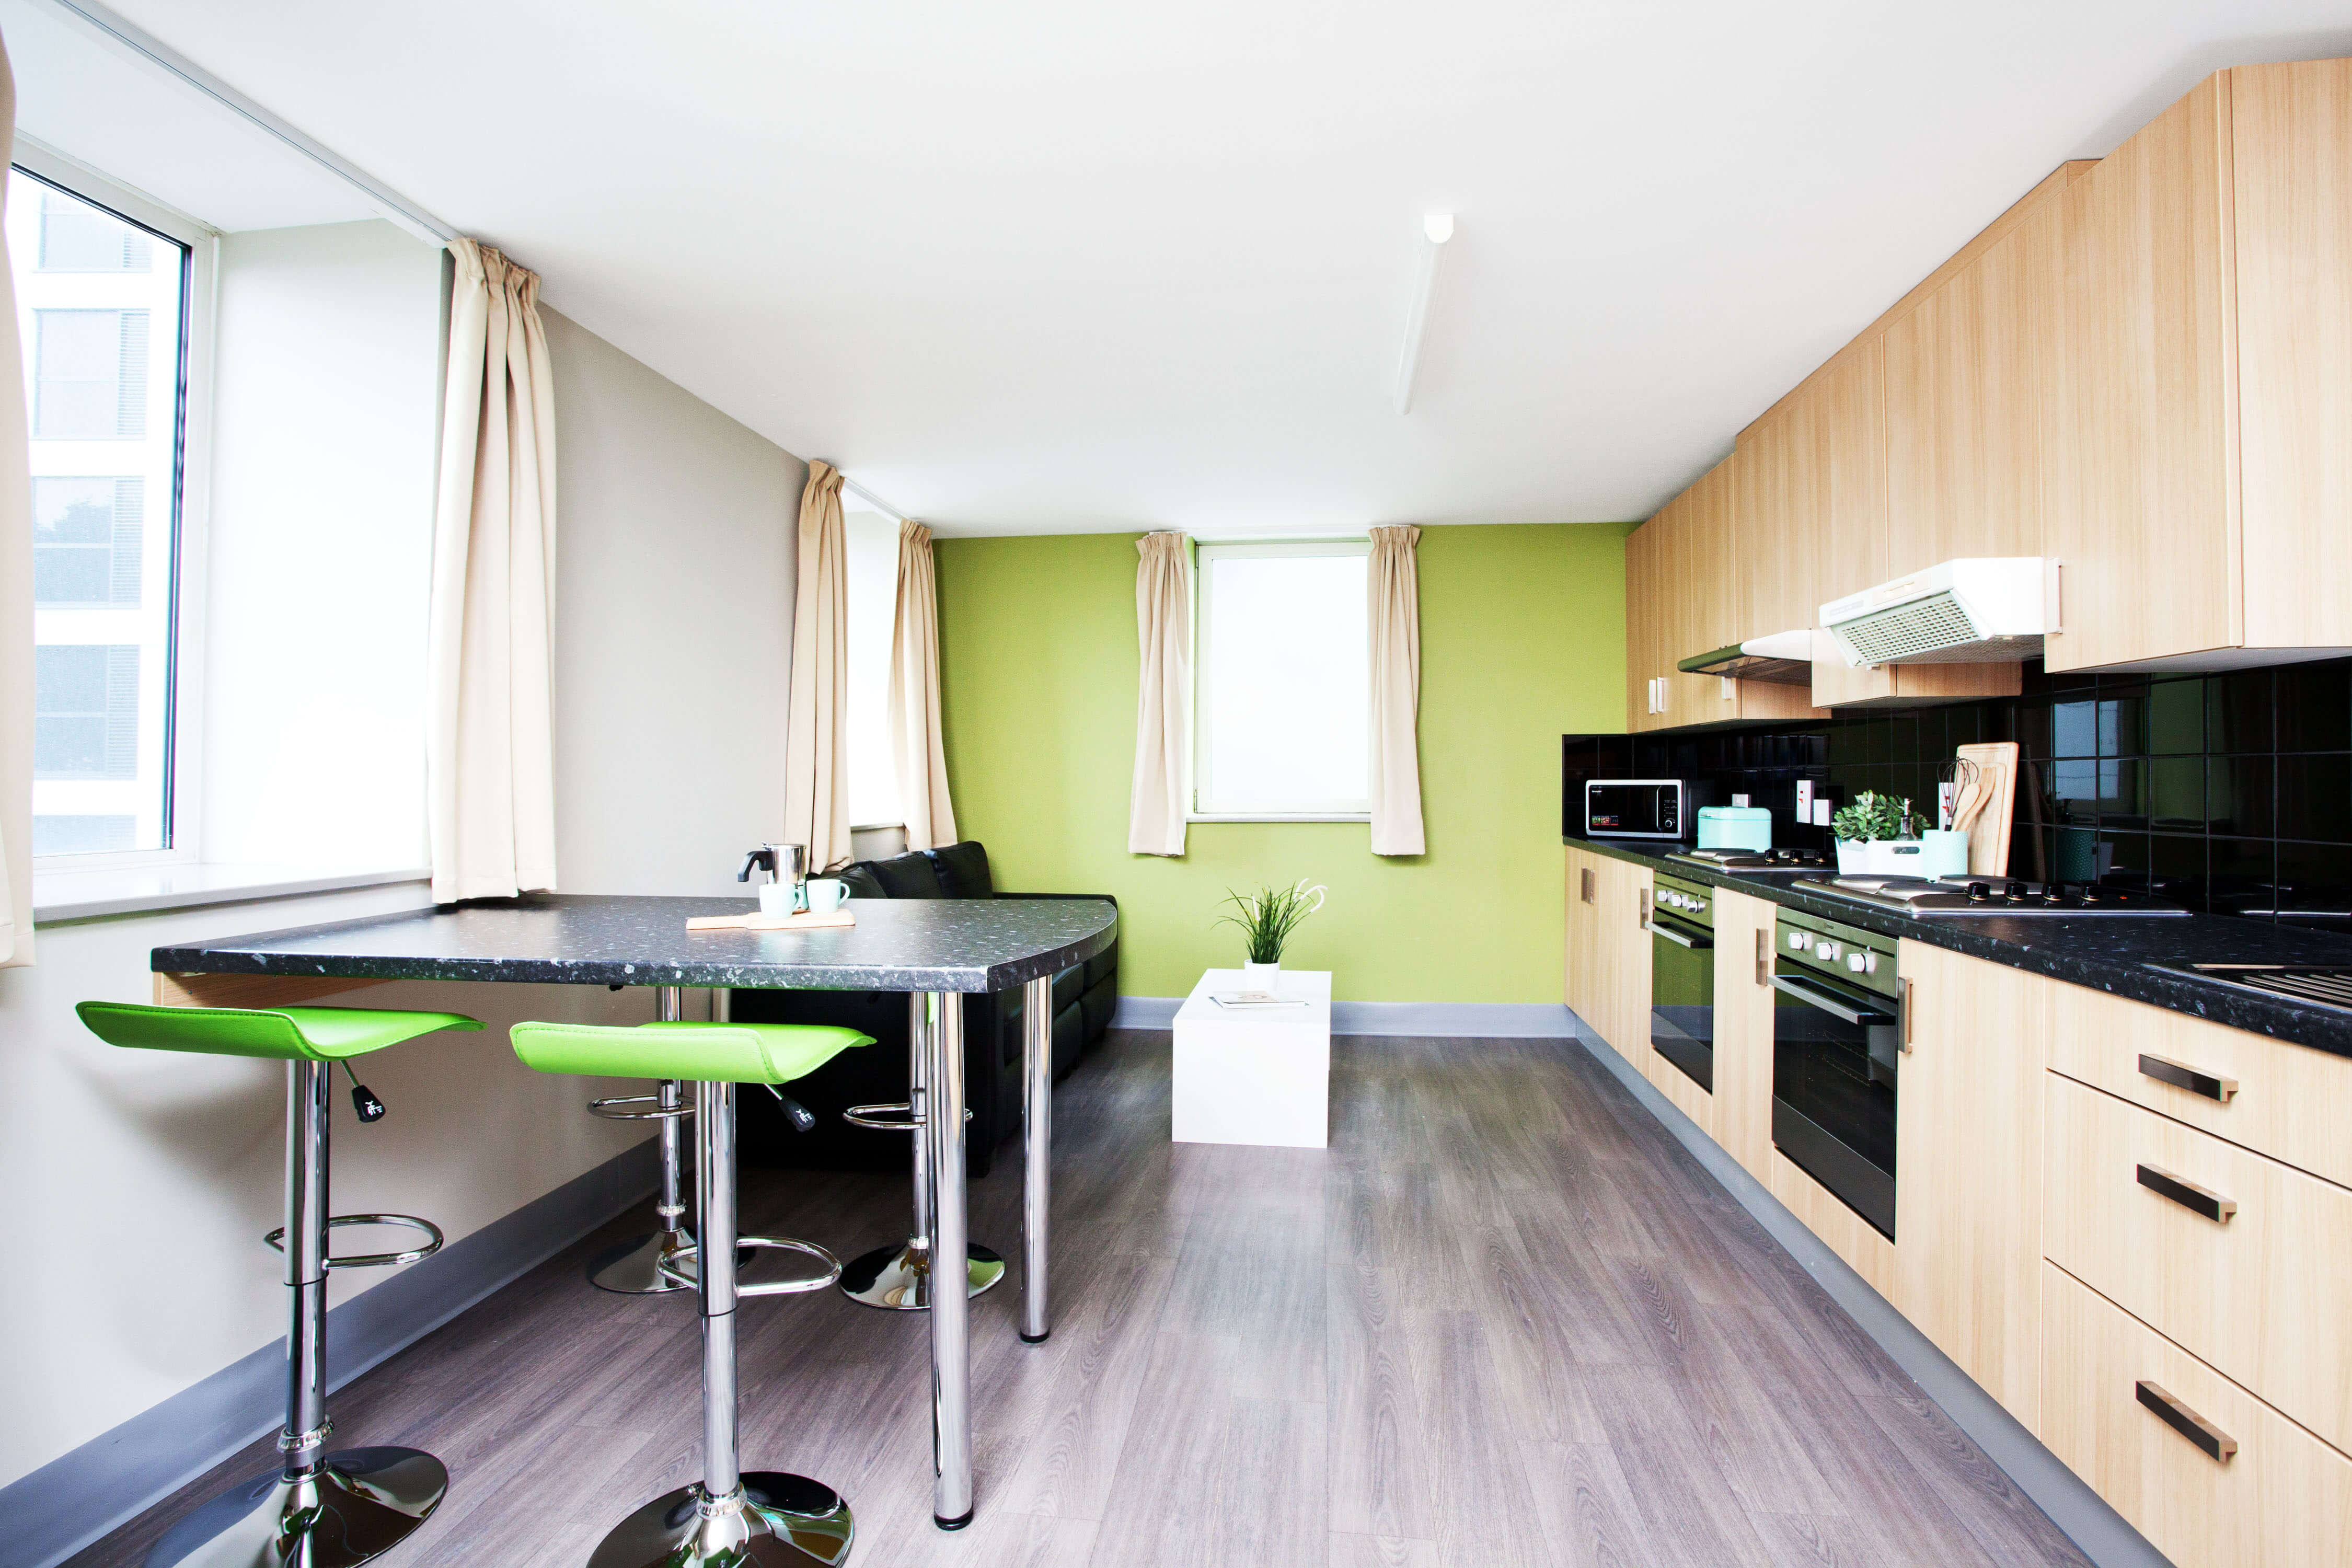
(1505, 1319)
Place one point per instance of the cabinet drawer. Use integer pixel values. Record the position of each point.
(2288, 1101)
(2243, 1261)
(2282, 1499)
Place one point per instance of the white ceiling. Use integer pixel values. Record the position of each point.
(1049, 265)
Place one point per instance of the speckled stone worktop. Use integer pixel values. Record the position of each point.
(2118, 954)
(898, 944)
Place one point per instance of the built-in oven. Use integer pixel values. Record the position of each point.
(1837, 1049)
(1682, 977)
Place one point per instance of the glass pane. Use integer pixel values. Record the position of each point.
(1285, 684)
(98, 309)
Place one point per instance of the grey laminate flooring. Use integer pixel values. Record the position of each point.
(1504, 1320)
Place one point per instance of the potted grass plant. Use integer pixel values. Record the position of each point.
(1880, 835)
(1266, 918)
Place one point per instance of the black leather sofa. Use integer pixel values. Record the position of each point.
(1085, 996)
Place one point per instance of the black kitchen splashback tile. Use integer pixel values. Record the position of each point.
(2229, 792)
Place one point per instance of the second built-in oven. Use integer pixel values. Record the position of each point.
(1837, 1030)
(1682, 977)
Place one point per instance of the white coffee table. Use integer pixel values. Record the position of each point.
(1254, 1077)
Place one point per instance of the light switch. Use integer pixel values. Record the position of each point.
(1739, 801)
(1820, 813)
(1804, 800)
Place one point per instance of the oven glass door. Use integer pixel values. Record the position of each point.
(1834, 1054)
(1682, 996)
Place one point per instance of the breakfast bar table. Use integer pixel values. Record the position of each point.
(936, 947)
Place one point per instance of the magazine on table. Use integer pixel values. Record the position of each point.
(1255, 1001)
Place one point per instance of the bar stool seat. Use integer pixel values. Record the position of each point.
(318, 1510)
(731, 1518)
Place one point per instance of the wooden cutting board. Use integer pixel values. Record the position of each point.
(1996, 763)
(805, 920)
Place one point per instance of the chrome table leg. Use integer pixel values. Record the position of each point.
(900, 1278)
(634, 1268)
(1036, 1152)
(944, 1130)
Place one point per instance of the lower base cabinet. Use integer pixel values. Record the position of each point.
(2214, 1477)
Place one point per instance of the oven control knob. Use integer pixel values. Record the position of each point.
(1857, 961)
(1796, 942)
(1698, 905)
(1826, 949)
(1870, 963)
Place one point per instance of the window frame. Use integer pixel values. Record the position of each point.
(1196, 751)
(184, 644)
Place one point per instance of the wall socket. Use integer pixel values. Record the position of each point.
(1739, 801)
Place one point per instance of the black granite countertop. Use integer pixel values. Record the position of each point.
(898, 944)
(2117, 955)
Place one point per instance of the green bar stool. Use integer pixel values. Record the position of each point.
(319, 1509)
(730, 1519)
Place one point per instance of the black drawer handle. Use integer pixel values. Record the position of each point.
(2180, 1074)
(2219, 1445)
(2188, 1195)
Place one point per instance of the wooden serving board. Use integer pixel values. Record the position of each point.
(1996, 762)
(804, 921)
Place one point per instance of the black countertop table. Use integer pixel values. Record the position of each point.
(936, 946)
(2120, 954)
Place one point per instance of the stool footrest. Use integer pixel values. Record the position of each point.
(670, 1267)
(276, 1239)
(899, 1118)
(617, 1109)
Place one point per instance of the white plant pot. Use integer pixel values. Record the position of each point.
(1938, 854)
(1266, 977)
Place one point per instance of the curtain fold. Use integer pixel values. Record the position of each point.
(1394, 584)
(15, 604)
(490, 752)
(917, 748)
(1163, 632)
(816, 760)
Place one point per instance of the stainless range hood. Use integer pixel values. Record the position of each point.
(1784, 658)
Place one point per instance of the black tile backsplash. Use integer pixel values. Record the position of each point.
(2228, 793)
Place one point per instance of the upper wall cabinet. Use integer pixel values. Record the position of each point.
(2202, 505)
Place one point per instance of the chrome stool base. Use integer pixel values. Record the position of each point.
(782, 1521)
(898, 1278)
(634, 1268)
(359, 1505)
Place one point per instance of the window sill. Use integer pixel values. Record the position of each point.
(1278, 816)
(81, 895)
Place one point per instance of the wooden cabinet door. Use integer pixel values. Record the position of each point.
(1698, 586)
(2143, 515)
(1773, 524)
(2291, 161)
(1583, 985)
(1743, 1030)
(1624, 987)
(1971, 404)
(1645, 611)
(1969, 1166)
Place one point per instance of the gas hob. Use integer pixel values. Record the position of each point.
(1974, 896)
(1757, 862)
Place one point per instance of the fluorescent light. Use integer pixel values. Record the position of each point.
(1436, 228)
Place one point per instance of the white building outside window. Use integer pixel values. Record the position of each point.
(1282, 681)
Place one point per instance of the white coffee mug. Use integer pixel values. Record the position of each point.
(775, 898)
(826, 894)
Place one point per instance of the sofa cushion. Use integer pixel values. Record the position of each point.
(858, 876)
(908, 876)
(964, 870)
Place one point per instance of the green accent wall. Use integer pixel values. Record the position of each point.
(1522, 640)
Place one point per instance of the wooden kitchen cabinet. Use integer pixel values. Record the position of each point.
(1743, 1030)
(1969, 1166)
(1608, 957)
(2201, 508)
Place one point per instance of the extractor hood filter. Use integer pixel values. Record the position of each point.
(1982, 611)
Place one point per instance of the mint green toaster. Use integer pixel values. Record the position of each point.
(1735, 828)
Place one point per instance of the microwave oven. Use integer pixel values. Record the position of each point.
(1637, 808)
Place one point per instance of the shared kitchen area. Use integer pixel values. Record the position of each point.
(1975, 866)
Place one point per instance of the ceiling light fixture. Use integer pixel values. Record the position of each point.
(1435, 231)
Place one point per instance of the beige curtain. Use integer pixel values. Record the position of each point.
(1163, 635)
(1394, 579)
(916, 746)
(16, 605)
(816, 761)
(490, 755)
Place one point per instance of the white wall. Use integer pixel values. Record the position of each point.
(146, 1180)
(320, 547)
(673, 635)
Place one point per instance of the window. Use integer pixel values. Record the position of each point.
(1283, 687)
(104, 291)
(871, 587)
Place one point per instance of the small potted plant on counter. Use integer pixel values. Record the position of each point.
(1881, 835)
(1268, 917)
